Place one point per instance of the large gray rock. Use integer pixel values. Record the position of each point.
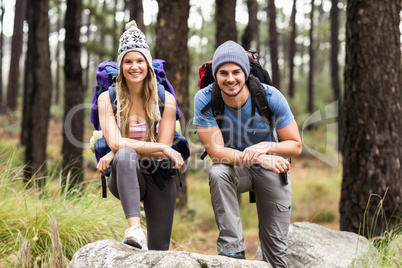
(114, 254)
(314, 246)
(309, 245)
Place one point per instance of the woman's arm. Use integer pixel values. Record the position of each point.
(105, 162)
(116, 141)
(167, 125)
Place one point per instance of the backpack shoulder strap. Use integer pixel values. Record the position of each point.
(161, 98)
(216, 103)
(262, 103)
(161, 102)
(112, 98)
(206, 107)
(218, 106)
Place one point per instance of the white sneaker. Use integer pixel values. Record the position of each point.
(134, 236)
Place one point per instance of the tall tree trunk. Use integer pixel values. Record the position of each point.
(115, 34)
(38, 90)
(88, 50)
(16, 50)
(321, 10)
(74, 95)
(372, 149)
(137, 13)
(251, 32)
(292, 50)
(171, 46)
(334, 14)
(1, 56)
(225, 17)
(57, 84)
(310, 102)
(273, 44)
(103, 30)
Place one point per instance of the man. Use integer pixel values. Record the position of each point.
(245, 158)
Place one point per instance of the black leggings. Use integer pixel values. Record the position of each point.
(128, 184)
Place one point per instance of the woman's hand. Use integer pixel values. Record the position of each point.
(275, 163)
(105, 162)
(174, 155)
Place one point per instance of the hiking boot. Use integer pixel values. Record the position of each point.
(134, 236)
(239, 255)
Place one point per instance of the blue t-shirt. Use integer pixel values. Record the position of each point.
(237, 131)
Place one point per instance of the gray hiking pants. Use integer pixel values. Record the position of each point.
(128, 184)
(273, 199)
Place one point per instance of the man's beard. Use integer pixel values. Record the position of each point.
(229, 95)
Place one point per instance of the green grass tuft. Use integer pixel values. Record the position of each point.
(46, 227)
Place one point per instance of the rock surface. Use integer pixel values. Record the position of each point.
(312, 245)
(309, 245)
(114, 254)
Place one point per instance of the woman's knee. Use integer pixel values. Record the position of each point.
(126, 154)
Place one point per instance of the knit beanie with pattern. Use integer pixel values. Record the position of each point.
(230, 52)
(133, 39)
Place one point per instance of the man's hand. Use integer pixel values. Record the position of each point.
(275, 163)
(250, 155)
(104, 162)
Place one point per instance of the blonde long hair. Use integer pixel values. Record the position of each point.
(151, 107)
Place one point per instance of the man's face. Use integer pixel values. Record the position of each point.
(231, 79)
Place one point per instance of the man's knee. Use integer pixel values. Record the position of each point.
(220, 173)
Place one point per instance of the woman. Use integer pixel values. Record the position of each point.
(138, 132)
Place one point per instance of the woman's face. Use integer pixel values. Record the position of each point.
(135, 67)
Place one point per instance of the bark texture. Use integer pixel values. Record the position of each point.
(372, 149)
(251, 32)
(73, 133)
(13, 87)
(38, 89)
(171, 46)
(225, 17)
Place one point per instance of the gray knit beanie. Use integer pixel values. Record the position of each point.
(134, 40)
(230, 52)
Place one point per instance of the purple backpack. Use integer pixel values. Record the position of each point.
(106, 76)
(157, 65)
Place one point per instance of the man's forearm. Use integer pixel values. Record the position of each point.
(225, 155)
(284, 148)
